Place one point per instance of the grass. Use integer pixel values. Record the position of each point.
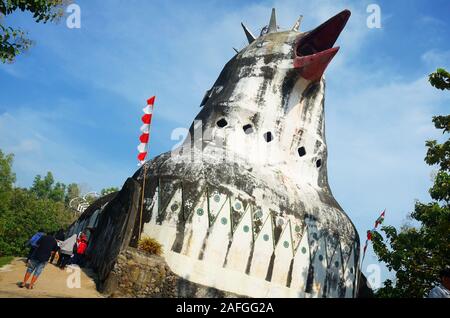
(150, 245)
(5, 260)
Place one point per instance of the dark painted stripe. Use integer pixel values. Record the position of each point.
(310, 279)
(226, 255)
(270, 269)
(289, 277)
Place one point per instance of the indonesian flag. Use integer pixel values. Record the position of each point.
(370, 233)
(380, 219)
(145, 130)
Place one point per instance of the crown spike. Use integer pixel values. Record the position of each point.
(273, 22)
(296, 26)
(248, 34)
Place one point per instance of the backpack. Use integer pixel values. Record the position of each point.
(35, 239)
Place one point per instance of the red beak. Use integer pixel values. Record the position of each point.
(314, 50)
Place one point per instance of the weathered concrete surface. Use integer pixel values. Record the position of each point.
(137, 274)
(243, 205)
(111, 228)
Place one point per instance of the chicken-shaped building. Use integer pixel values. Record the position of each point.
(244, 205)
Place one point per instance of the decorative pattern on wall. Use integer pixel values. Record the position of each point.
(231, 233)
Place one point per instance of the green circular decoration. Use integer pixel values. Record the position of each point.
(304, 250)
(297, 228)
(259, 214)
(174, 207)
(237, 205)
(246, 228)
(217, 198)
(266, 237)
(224, 220)
(200, 211)
(320, 258)
(286, 244)
(336, 264)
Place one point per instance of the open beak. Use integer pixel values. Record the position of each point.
(314, 50)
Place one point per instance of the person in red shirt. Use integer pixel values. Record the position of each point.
(80, 250)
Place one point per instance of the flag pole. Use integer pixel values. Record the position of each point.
(369, 238)
(143, 151)
(358, 282)
(142, 201)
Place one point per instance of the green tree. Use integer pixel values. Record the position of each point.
(43, 187)
(58, 192)
(23, 211)
(14, 41)
(417, 254)
(7, 179)
(73, 191)
(7, 176)
(440, 79)
(109, 190)
(24, 216)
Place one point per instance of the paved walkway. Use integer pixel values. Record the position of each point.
(53, 282)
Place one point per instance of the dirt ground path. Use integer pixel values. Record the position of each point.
(53, 282)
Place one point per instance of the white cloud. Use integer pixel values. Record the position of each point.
(40, 146)
(436, 58)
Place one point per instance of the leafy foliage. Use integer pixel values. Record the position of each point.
(5, 260)
(417, 254)
(73, 191)
(150, 245)
(45, 205)
(23, 212)
(7, 178)
(109, 190)
(25, 215)
(440, 79)
(15, 41)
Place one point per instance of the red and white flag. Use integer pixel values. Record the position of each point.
(145, 129)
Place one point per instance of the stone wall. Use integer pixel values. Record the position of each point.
(137, 274)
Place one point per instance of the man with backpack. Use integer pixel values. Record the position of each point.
(33, 242)
(38, 259)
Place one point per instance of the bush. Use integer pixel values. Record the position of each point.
(5, 260)
(24, 211)
(150, 245)
(24, 216)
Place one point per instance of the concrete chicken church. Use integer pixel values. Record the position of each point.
(243, 207)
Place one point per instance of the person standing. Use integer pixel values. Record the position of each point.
(59, 236)
(66, 251)
(443, 289)
(33, 242)
(80, 250)
(38, 259)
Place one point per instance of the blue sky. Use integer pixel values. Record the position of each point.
(72, 104)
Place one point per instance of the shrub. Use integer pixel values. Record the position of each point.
(150, 245)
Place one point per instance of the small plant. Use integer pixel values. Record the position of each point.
(150, 245)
